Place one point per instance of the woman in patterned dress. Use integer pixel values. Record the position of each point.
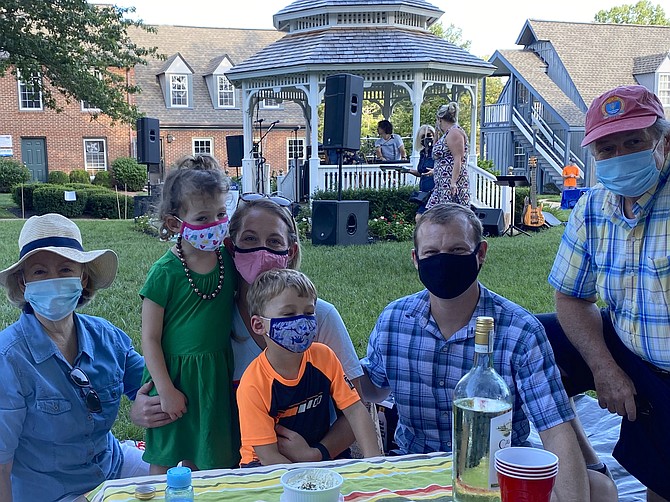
(450, 152)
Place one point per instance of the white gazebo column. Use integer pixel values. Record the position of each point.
(313, 100)
(247, 131)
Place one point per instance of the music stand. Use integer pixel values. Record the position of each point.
(512, 182)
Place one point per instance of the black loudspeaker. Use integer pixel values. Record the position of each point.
(343, 101)
(235, 150)
(148, 141)
(340, 222)
(492, 220)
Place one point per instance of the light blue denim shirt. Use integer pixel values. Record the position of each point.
(58, 447)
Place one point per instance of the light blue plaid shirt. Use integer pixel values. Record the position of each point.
(407, 353)
(627, 266)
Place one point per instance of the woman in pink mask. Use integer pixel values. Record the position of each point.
(263, 236)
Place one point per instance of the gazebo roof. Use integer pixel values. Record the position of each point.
(378, 47)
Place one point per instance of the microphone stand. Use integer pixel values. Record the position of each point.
(260, 166)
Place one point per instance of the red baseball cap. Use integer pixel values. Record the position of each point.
(624, 108)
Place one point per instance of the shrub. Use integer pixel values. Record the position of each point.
(25, 191)
(304, 222)
(80, 176)
(103, 178)
(147, 225)
(128, 174)
(385, 202)
(392, 229)
(58, 177)
(12, 172)
(107, 205)
(50, 199)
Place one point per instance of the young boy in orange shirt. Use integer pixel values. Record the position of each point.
(293, 380)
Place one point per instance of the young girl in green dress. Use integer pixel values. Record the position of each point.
(186, 322)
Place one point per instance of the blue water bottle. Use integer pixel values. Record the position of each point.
(179, 487)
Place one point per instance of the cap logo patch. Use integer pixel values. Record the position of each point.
(612, 107)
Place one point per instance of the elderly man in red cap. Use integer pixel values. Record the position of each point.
(616, 247)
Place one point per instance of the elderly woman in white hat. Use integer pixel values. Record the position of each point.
(62, 373)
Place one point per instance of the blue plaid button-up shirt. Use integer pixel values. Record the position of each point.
(626, 263)
(407, 353)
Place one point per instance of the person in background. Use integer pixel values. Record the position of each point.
(293, 381)
(570, 175)
(615, 247)
(423, 344)
(63, 373)
(450, 153)
(389, 146)
(263, 236)
(423, 143)
(187, 305)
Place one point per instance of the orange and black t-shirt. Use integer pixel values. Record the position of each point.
(568, 170)
(265, 399)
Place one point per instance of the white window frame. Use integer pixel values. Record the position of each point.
(86, 107)
(301, 147)
(204, 140)
(664, 88)
(225, 89)
(22, 88)
(270, 104)
(95, 168)
(175, 78)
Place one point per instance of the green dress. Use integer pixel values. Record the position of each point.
(199, 359)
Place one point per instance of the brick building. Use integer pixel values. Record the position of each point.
(196, 105)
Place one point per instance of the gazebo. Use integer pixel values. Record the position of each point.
(387, 42)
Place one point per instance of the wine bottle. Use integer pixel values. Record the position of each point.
(482, 423)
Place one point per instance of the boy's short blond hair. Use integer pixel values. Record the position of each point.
(274, 282)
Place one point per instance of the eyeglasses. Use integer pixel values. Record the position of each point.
(80, 379)
(277, 199)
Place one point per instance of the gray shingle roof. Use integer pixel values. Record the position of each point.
(200, 48)
(368, 46)
(600, 56)
(300, 5)
(648, 64)
(533, 70)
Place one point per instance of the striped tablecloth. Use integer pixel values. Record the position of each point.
(408, 477)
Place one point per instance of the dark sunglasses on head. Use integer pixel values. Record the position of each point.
(277, 199)
(80, 379)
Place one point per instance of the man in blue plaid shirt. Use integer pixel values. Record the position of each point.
(424, 343)
(616, 247)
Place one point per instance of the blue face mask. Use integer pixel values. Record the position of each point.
(294, 333)
(54, 299)
(629, 175)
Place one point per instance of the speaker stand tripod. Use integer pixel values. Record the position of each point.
(512, 182)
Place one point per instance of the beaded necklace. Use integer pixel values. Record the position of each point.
(212, 295)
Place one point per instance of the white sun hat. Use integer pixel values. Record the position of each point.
(57, 234)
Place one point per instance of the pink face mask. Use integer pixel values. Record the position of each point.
(251, 263)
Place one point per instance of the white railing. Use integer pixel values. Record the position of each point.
(483, 189)
(365, 176)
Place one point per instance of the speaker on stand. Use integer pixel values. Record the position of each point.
(148, 141)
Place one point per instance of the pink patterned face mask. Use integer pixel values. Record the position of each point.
(207, 237)
(251, 263)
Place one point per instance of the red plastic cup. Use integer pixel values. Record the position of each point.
(514, 489)
(526, 474)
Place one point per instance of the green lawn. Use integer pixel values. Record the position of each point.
(6, 203)
(359, 280)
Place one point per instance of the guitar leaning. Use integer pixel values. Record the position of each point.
(532, 214)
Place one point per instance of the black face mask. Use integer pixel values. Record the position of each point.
(427, 142)
(448, 275)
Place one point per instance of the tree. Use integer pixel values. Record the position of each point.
(74, 49)
(451, 34)
(643, 12)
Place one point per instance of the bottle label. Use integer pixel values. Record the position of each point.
(501, 437)
(480, 348)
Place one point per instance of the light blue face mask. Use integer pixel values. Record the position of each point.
(629, 175)
(54, 299)
(295, 333)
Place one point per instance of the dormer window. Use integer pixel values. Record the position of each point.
(226, 92)
(270, 103)
(179, 90)
(664, 88)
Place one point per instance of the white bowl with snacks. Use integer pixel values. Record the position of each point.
(312, 484)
